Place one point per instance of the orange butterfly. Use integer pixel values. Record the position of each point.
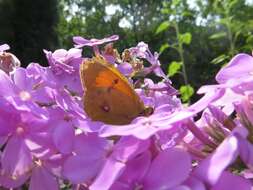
(109, 97)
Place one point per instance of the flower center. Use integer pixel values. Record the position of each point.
(20, 131)
(24, 95)
(38, 162)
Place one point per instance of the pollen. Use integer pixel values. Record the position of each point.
(24, 95)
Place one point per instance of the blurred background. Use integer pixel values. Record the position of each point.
(195, 38)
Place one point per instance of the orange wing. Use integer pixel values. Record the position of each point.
(108, 95)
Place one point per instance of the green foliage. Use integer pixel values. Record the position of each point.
(178, 10)
(186, 92)
(185, 38)
(93, 21)
(162, 27)
(217, 35)
(164, 47)
(233, 26)
(220, 59)
(174, 68)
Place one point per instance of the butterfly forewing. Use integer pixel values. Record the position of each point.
(108, 95)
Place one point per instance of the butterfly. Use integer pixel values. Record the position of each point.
(108, 95)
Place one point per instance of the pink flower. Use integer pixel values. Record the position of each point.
(81, 42)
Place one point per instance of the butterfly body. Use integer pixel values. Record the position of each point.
(109, 97)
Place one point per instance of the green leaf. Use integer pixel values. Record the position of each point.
(173, 68)
(186, 13)
(186, 92)
(163, 26)
(232, 3)
(224, 21)
(185, 38)
(176, 2)
(218, 35)
(165, 11)
(249, 40)
(164, 47)
(219, 59)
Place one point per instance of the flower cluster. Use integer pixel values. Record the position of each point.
(47, 141)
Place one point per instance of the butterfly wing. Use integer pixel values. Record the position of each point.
(108, 95)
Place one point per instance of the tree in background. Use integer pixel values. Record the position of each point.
(29, 27)
(133, 21)
(233, 21)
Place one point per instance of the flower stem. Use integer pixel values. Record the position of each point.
(181, 53)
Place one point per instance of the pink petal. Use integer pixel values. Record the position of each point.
(90, 126)
(91, 144)
(41, 145)
(4, 47)
(63, 136)
(230, 181)
(41, 179)
(181, 187)
(121, 130)
(3, 139)
(8, 182)
(120, 186)
(195, 184)
(136, 169)
(7, 86)
(60, 53)
(240, 66)
(169, 169)
(74, 53)
(246, 152)
(81, 168)
(207, 88)
(110, 172)
(208, 98)
(125, 68)
(128, 147)
(210, 169)
(21, 80)
(80, 41)
(16, 159)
